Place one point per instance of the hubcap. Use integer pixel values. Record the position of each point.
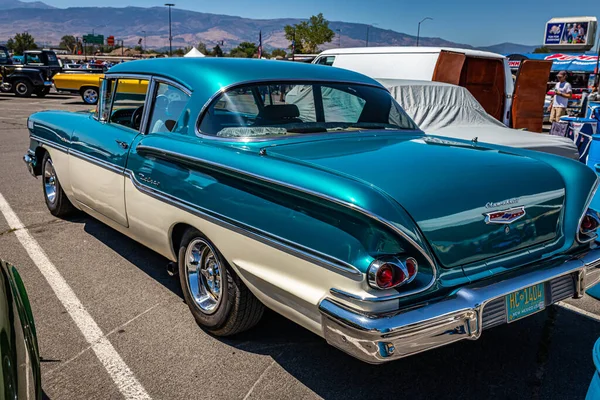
(204, 275)
(21, 88)
(50, 181)
(90, 96)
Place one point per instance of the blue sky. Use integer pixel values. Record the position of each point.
(477, 23)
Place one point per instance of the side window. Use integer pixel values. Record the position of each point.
(341, 106)
(128, 102)
(326, 60)
(170, 105)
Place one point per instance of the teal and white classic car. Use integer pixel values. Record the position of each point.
(308, 190)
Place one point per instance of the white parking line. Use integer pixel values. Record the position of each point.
(578, 310)
(120, 373)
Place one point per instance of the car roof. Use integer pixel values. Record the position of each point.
(409, 49)
(213, 74)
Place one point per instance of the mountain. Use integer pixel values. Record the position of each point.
(48, 25)
(11, 4)
(509, 48)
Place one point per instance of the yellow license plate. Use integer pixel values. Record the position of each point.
(525, 302)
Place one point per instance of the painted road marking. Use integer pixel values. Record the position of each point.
(578, 310)
(120, 373)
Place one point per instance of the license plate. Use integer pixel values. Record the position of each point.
(525, 302)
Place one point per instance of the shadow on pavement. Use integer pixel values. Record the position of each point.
(545, 356)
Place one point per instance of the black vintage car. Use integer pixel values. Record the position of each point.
(33, 76)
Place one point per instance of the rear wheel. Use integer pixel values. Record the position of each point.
(23, 88)
(56, 199)
(89, 95)
(216, 296)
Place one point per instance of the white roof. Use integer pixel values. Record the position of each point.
(572, 19)
(194, 52)
(409, 49)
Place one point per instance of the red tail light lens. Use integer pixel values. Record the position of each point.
(589, 224)
(391, 272)
(389, 275)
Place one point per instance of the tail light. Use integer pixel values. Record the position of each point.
(588, 226)
(391, 272)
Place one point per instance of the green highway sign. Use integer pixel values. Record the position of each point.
(94, 39)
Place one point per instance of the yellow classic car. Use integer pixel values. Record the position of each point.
(88, 85)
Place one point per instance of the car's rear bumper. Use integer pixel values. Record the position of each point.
(463, 315)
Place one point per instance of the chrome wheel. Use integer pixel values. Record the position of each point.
(203, 275)
(21, 88)
(90, 96)
(50, 181)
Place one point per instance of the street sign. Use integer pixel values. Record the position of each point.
(94, 39)
(110, 40)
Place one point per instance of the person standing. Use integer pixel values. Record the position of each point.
(562, 93)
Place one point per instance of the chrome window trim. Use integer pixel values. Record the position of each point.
(587, 205)
(148, 104)
(385, 222)
(156, 80)
(266, 81)
(280, 243)
(146, 100)
(173, 83)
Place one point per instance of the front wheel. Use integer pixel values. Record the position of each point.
(23, 88)
(216, 296)
(89, 95)
(56, 199)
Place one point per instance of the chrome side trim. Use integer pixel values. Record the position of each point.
(96, 161)
(587, 205)
(280, 243)
(50, 144)
(390, 225)
(86, 157)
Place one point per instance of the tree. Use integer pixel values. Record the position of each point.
(248, 49)
(202, 48)
(217, 51)
(278, 53)
(69, 43)
(309, 35)
(22, 42)
(10, 44)
(542, 49)
(139, 48)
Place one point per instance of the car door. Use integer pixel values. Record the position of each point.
(100, 148)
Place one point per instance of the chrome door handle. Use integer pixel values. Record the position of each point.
(123, 145)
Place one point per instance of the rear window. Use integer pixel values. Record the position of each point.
(279, 109)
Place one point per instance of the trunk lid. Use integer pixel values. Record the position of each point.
(449, 188)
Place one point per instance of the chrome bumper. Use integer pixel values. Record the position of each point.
(30, 161)
(381, 338)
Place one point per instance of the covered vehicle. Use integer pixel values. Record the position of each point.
(339, 212)
(452, 111)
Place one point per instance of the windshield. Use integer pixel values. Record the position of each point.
(264, 110)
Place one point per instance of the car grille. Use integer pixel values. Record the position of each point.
(494, 312)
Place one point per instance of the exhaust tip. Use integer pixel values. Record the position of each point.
(172, 269)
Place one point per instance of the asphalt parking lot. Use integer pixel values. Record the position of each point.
(139, 309)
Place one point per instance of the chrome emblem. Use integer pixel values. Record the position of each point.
(505, 216)
(502, 203)
(147, 179)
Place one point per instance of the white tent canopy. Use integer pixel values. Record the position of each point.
(194, 52)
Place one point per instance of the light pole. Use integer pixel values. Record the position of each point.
(144, 48)
(339, 31)
(419, 28)
(368, 27)
(170, 36)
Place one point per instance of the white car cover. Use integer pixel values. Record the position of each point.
(452, 111)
